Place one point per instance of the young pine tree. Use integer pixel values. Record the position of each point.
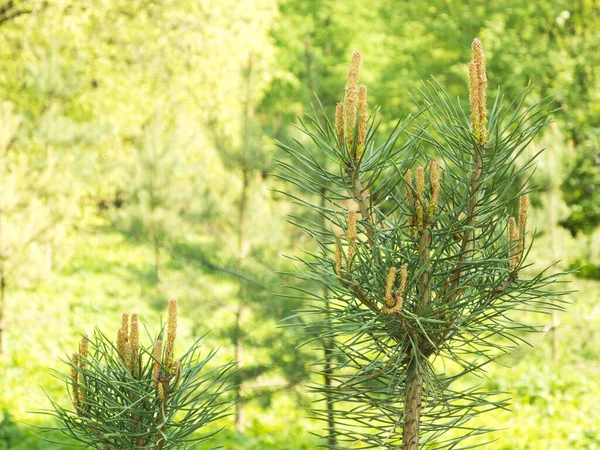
(421, 256)
(129, 396)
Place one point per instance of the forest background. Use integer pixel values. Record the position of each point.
(136, 165)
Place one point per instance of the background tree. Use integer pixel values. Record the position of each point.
(158, 192)
(581, 187)
(25, 220)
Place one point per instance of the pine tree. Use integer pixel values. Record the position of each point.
(156, 195)
(422, 261)
(128, 395)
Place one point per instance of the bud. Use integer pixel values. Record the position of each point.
(134, 343)
(121, 343)
(171, 332)
(420, 219)
(408, 188)
(125, 324)
(403, 278)
(523, 213)
(127, 361)
(513, 235)
(161, 392)
(156, 363)
(477, 96)
(351, 95)
(339, 122)
(473, 96)
(176, 374)
(389, 285)
(83, 349)
(395, 301)
(363, 117)
(420, 184)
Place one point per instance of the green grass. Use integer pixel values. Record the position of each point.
(555, 406)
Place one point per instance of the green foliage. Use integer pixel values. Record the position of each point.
(581, 189)
(13, 436)
(585, 269)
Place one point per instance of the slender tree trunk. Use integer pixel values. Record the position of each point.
(239, 335)
(412, 408)
(330, 404)
(240, 413)
(413, 394)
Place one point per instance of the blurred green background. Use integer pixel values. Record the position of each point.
(136, 160)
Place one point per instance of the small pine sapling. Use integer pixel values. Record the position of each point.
(426, 266)
(129, 396)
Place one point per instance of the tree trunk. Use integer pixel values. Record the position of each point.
(240, 415)
(330, 404)
(413, 394)
(412, 408)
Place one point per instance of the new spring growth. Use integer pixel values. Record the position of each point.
(157, 355)
(420, 201)
(134, 343)
(389, 285)
(523, 213)
(516, 234)
(161, 392)
(477, 88)
(83, 348)
(171, 332)
(123, 337)
(363, 117)
(408, 193)
(339, 122)
(351, 95)
(424, 213)
(351, 232)
(395, 300)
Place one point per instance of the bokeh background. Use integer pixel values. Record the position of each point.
(136, 165)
